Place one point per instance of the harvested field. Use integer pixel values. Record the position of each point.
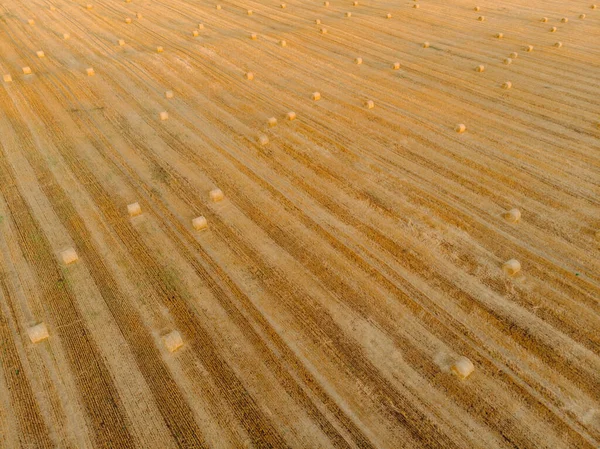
(309, 224)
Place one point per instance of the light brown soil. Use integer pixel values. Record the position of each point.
(355, 256)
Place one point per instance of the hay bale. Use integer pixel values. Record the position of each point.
(499, 35)
(529, 48)
(318, 21)
(507, 61)
(477, 8)
(7, 78)
(38, 333)
(218, 7)
(52, 8)
(173, 341)
(480, 68)
(283, 43)
(26, 70)
(90, 71)
(169, 94)
(388, 16)
(582, 16)
(425, 44)
(553, 30)
(558, 44)
(316, 96)
(199, 223)
(354, 3)
(40, 54)
(272, 122)
(481, 18)
(164, 115)
(463, 367)
(325, 3)
(514, 55)
(323, 30)
(121, 42)
(593, 6)
(544, 19)
(69, 256)
(216, 195)
(263, 140)
(416, 6)
(564, 20)
(396, 66)
(31, 22)
(460, 128)
(369, 104)
(249, 75)
(195, 33)
(128, 20)
(66, 36)
(89, 6)
(134, 209)
(513, 215)
(290, 116)
(200, 26)
(511, 267)
(358, 61)
(159, 49)
(253, 36)
(249, 12)
(506, 85)
(348, 14)
(283, 6)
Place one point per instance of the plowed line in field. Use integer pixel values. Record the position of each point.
(241, 402)
(97, 391)
(190, 194)
(175, 411)
(324, 424)
(33, 430)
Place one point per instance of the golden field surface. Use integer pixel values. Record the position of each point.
(356, 251)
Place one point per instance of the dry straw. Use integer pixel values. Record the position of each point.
(463, 367)
(513, 215)
(199, 223)
(511, 267)
(216, 195)
(69, 256)
(134, 209)
(38, 333)
(173, 341)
